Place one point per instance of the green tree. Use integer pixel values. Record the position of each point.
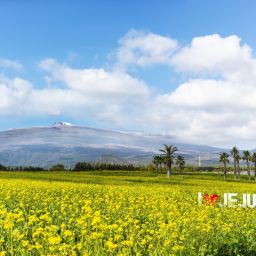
(247, 158)
(161, 162)
(157, 162)
(253, 159)
(168, 157)
(234, 153)
(57, 168)
(180, 161)
(238, 158)
(224, 159)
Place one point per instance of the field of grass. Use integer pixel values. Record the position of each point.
(121, 213)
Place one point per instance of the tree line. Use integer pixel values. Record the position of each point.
(80, 166)
(246, 156)
(85, 166)
(22, 168)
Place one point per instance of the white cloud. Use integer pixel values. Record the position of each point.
(217, 108)
(215, 55)
(85, 93)
(213, 95)
(13, 95)
(96, 83)
(144, 49)
(10, 64)
(210, 112)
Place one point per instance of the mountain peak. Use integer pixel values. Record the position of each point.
(61, 124)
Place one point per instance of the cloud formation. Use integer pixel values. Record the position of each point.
(10, 64)
(92, 93)
(144, 49)
(216, 105)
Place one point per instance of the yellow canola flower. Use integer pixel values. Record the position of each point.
(67, 233)
(54, 240)
(150, 217)
(110, 245)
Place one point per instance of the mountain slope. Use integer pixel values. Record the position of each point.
(67, 144)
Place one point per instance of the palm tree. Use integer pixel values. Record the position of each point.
(237, 159)
(180, 161)
(247, 158)
(253, 159)
(156, 162)
(234, 153)
(168, 157)
(161, 161)
(224, 159)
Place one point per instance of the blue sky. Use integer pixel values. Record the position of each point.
(83, 26)
(46, 45)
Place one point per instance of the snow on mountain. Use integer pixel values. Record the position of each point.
(61, 124)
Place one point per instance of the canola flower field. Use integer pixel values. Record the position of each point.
(121, 213)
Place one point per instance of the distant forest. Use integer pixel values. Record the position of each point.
(81, 166)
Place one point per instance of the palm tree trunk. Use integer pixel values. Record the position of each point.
(255, 170)
(225, 171)
(235, 170)
(238, 170)
(248, 170)
(168, 169)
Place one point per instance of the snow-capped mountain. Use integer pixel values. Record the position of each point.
(61, 124)
(69, 144)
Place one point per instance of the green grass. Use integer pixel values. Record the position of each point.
(127, 177)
